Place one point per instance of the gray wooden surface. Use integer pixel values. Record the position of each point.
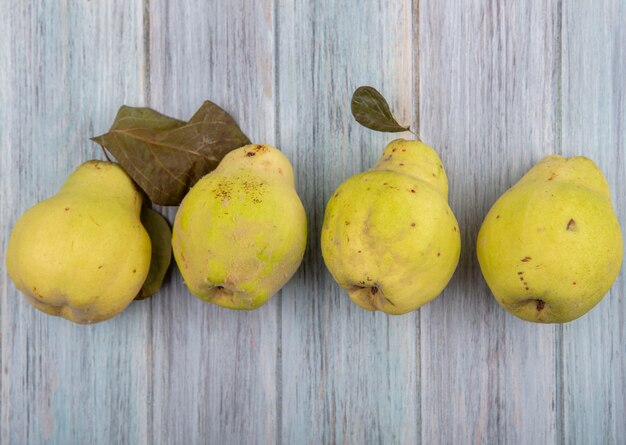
(492, 85)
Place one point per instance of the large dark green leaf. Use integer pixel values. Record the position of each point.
(166, 156)
(371, 110)
(161, 240)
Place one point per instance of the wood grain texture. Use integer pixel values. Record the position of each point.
(348, 376)
(214, 369)
(594, 125)
(498, 85)
(488, 103)
(67, 67)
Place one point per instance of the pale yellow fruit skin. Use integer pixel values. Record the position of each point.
(389, 237)
(83, 253)
(240, 233)
(551, 246)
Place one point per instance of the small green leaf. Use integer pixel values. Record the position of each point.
(166, 156)
(371, 110)
(161, 239)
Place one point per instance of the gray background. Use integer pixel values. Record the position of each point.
(492, 85)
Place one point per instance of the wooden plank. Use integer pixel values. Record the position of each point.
(310, 366)
(348, 376)
(214, 368)
(594, 125)
(488, 102)
(66, 67)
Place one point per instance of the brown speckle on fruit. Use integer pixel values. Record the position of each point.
(526, 259)
(400, 164)
(574, 283)
(223, 190)
(250, 154)
(497, 216)
(540, 305)
(67, 208)
(134, 270)
(412, 224)
(412, 190)
(438, 253)
(520, 273)
(374, 290)
(571, 225)
(552, 176)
